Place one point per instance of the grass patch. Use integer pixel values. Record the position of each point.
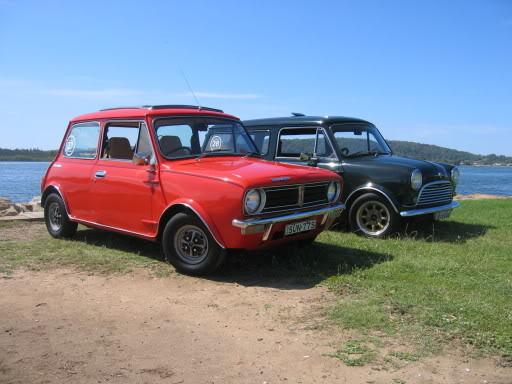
(90, 251)
(355, 353)
(452, 281)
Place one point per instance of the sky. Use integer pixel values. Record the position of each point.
(437, 72)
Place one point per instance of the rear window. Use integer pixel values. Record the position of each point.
(82, 141)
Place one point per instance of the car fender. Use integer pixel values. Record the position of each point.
(49, 189)
(198, 210)
(372, 187)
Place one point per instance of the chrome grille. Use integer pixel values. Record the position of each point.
(436, 193)
(289, 197)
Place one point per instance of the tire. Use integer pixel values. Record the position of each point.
(57, 219)
(371, 215)
(188, 245)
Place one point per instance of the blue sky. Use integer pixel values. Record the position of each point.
(437, 72)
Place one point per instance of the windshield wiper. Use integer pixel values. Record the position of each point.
(219, 152)
(252, 154)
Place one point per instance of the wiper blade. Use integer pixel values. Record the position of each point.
(252, 154)
(219, 152)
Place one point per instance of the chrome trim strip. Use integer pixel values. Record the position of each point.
(376, 190)
(425, 211)
(93, 223)
(279, 219)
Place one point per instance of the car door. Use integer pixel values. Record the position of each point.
(123, 190)
(72, 170)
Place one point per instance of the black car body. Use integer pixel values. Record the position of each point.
(381, 189)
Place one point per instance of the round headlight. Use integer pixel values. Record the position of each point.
(254, 201)
(455, 175)
(333, 191)
(416, 179)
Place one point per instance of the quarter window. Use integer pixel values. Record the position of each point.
(82, 141)
(262, 140)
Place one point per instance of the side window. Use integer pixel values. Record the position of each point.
(351, 141)
(293, 142)
(82, 141)
(122, 140)
(262, 140)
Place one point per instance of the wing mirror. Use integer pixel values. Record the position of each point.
(311, 159)
(141, 158)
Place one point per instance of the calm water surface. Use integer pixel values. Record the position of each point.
(20, 181)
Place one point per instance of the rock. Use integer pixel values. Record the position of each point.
(36, 204)
(18, 207)
(10, 211)
(27, 207)
(4, 203)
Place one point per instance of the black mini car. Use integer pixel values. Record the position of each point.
(381, 189)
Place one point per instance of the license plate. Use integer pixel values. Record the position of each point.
(442, 214)
(301, 226)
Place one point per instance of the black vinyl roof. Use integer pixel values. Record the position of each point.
(303, 120)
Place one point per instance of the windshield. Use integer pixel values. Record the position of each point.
(202, 136)
(359, 140)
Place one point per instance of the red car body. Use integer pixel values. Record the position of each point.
(138, 199)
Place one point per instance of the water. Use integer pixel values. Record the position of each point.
(20, 181)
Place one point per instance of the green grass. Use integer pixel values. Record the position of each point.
(428, 288)
(453, 283)
(91, 251)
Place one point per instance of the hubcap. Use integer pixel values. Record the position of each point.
(55, 216)
(191, 244)
(373, 218)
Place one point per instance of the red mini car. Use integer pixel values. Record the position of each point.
(189, 177)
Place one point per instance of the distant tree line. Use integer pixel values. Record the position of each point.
(33, 154)
(400, 148)
(445, 155)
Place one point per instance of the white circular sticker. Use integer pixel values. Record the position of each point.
(69, 148)
(215, 143)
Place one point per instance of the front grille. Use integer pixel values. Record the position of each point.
(436, 193)
(289, 197)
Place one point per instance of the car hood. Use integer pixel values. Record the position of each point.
(248, 171)
(431, 171)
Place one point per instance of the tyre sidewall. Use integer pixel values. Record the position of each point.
(67, 228)
(395, 221)
(215, 255)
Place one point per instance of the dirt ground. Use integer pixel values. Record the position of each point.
(65, 326)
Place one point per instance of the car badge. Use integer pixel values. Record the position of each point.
(282, 178)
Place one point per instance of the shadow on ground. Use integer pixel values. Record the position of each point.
(289, 267)
(445, 231)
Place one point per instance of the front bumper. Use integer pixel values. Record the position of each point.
(426, 211)
(264, 225)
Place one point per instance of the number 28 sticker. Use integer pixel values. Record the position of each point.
(215, 143)
(69, 148)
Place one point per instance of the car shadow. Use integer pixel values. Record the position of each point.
(445, 231)
(287, 267)
(293, 267)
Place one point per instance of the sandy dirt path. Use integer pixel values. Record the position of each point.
(65, 326)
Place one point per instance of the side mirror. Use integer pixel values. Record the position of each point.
(304, 156)
(141, 159)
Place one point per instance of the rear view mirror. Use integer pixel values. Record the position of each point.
(141, 158)
(358, 132)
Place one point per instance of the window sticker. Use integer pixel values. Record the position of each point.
(69, 148)
(215, 143)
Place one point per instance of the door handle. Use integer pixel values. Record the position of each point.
(100, 174)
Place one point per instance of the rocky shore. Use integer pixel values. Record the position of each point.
(11, 209)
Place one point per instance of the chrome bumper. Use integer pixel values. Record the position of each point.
(426, 211)
(265, 224)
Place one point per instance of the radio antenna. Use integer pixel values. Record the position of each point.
(190, 88)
